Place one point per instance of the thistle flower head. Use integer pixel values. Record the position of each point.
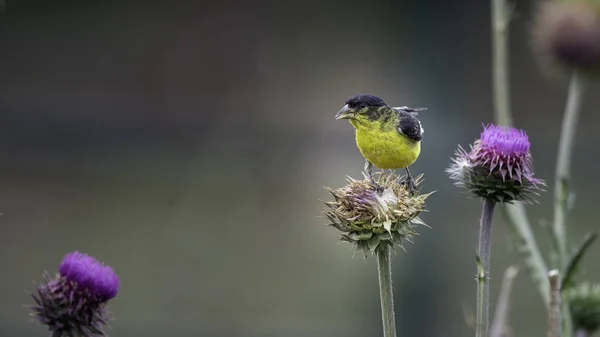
(499, 166)
(567, 33)
(369, 216)
(73, 302)
(90, 274)
(584, 301)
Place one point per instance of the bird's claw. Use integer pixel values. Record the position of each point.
(375, 186)
(410, 185)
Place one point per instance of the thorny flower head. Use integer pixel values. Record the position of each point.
(499, 166)
(584, 300)
(73, 302)
(567, 33)
(369, 217)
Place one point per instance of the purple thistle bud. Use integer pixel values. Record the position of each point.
(73, 303)
(499, 166)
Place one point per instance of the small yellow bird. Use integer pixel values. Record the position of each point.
(388, 137)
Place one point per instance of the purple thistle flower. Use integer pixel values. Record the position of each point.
(499, 166)
(73, 303)
(90, 274)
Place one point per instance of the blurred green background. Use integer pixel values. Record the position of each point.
(187, 145)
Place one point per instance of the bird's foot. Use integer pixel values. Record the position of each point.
(410, 185)
(375, 186)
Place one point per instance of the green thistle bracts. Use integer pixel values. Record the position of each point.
(584, 300)
(370, 215)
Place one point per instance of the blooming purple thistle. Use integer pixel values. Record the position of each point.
(73, 303)
(506, 149)
(90, 274)
(499, 166)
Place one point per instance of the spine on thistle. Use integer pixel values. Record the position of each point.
(73, 302)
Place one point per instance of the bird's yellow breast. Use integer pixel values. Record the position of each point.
(386, 149)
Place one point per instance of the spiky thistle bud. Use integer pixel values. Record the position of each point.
(584, 301)
(567, 33)
(370, 215)
(73, 303)
(498, 167)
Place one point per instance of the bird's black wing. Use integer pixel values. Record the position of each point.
(408, 124)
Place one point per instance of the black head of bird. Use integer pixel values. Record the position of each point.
(360, 105)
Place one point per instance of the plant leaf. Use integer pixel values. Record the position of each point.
(576, 258)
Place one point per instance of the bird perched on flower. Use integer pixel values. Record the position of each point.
(388, 137)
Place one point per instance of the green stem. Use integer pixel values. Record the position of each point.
(483, 284)
(500, 24)
(561, 183)
(384, 267)
(563, 164)
(500, 323)
(528, 248)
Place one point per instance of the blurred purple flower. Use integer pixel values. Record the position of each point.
(73, 303)
(568, 33)
(499, 166)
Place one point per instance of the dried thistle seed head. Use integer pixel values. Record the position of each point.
(369, 217)
(567, 34)
(499, 166)
(584, 301)
(73, 303)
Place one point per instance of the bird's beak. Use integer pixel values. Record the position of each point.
(345, 113)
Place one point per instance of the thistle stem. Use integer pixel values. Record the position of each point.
(384, 267)
(563, 164)
(561, 183)
(483, 274)
(528, 248)
(500, 324)
(501, 87)
(554, 326)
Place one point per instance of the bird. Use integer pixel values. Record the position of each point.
(388, 137)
